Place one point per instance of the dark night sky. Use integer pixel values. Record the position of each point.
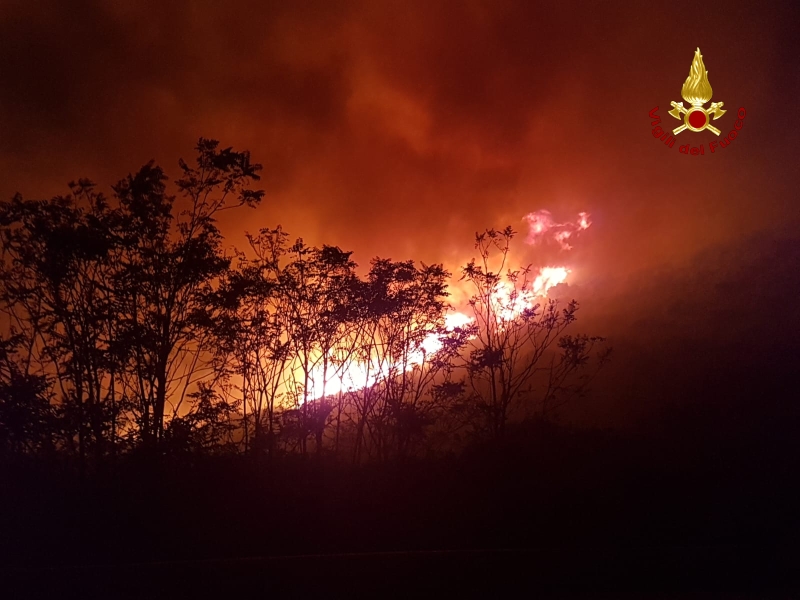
(398, 129)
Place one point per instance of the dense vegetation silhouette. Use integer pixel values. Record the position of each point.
(161, 399)
(129, 331)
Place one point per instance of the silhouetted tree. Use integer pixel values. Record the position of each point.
(56, 269)
(27, 418)
(128, 329)
(515, 329)
(579, 360)
(107, 298)
(168, 271)
(207, 428)
(317, 286)
(252, 335)
(403, 347)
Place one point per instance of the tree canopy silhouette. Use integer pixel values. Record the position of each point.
(129, 330)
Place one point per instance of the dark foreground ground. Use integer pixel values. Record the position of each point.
(646, 572)
(683, 513)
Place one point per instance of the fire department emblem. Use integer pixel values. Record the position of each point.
(696, 91)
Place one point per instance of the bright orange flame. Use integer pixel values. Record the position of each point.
(549, 277)
(508, 304)
(542, 226)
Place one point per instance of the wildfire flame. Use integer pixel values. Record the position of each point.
(696, 89)
(508, 304)
(549, 277)
(542, 226)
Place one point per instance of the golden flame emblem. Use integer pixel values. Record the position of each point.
(696, 91)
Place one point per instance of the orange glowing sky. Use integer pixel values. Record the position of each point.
(400, 129)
